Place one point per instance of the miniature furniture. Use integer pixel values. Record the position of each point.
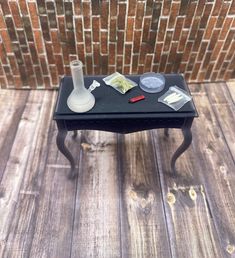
(112, 112)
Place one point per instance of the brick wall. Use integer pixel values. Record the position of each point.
(39, 38)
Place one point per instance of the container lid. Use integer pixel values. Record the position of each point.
(152, 82)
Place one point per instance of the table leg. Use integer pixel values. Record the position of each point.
(186, 129)
(60, 139)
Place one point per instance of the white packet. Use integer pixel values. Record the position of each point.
(175, 98)
(119, 82)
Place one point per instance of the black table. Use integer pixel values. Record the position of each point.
(113, 113)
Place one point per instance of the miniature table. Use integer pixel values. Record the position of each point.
(113, 113)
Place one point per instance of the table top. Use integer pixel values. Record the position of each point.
(112, 104)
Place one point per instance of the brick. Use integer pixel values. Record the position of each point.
(163, 63)
(129, 29)
(51, 15)
(146, 28)
(5, 7)
(200, 7)
(3, 83)
(34, 15)
(69, 15)
(183, 7)
(81, 51)
(217, 7)
(156, 14)
(210, 27)
(15, 14)
(158, 52)
(178, 26)
(113, 30)
(149, 7)
(96, 54)
(206, 15)
(77, 7)
(23, 75)
(222, 15)
(86, 15)
(38, 73)
(168, 38)
(47, 82)
(113, 7)
(231, 51)
(134, 64)
(121, 14)
(187, 51)
(112, 54)
(95, 7)
(28, 64)
(140, 69)
(127, 56)
(131, 7)
(162, 29)
(206, 60)
(173, 50)
(104, 15)
(174, 13)
(39, 41)
(197, 42)
(142, 54)
(139, 15)
(54, 75)
(104, 42)
(213, 39)
(71, 42)
(11, 28)
(194, 29)
(119, 65)
(23, 7)
(95, 29)
(3, 54)
(65, 52)
(196, 68)
(167, 7)
(104, 64)
(13, 64)
(61, 24)
(60, 7)
(88, 42)
(190, 14)
(191, 61)
(33, 52)
(229, 39)
(225, 28)
(41, 7)
(137, 38)
(148, 63)
(127, 69)
(49, 51)
(6, 40)
(232, 8)
(59, 64)
(89, 64)
(55, 41)
(45, 28)
(120, 41)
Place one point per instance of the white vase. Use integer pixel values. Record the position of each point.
(81, 99)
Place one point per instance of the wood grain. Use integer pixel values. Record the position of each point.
(224, 109)
(21, 229)
(97, 226)
(17, 162)
(218, 169)
(190, 226)
(12, 104)
(143, 229)
(231, 88)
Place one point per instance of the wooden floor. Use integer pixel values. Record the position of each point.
(125, 203)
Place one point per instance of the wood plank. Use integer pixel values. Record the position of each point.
(218, 171)
(16, 165)
(190, 226)
(54, 214)
(231, 88)
(22, 226)
(224, 109)
(97, 224)
(143, 229)
(12, 104)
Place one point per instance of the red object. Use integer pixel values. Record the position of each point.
(135, 99)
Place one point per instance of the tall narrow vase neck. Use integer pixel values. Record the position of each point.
(77, 74)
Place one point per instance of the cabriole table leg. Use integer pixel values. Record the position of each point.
(186, 129)
(60, 139)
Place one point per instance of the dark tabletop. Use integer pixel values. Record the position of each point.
(111, 103)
